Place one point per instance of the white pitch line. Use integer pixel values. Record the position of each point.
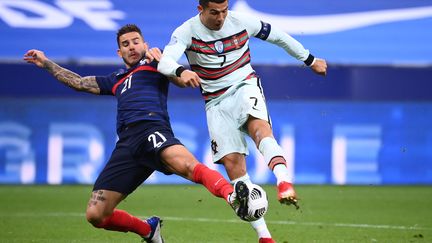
(237, 221)
(395, 227)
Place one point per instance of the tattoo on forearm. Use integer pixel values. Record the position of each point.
(72, 79)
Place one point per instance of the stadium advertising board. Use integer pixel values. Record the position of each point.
(57, 142)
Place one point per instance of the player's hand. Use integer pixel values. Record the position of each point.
(153, 54)
(36, 57)
(189, 78)
(320, 66)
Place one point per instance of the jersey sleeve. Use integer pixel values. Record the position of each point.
(275, 35)
(180, 41)
(106, 83)
(288, 43)
(252, 24)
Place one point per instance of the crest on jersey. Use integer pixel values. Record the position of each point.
(235, 41)
(214, 146)
(219, 46)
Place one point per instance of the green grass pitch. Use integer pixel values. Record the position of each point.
(328, 214)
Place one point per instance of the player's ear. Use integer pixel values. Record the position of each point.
(200, 8)
(119, 53)
(146, 47)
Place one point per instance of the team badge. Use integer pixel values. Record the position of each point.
(219, 46)
(235, 41)
(214, 146)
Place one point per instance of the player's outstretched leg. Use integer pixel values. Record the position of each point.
(155, 234)
(273, 155)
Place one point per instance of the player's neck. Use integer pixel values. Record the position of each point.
(203, 23)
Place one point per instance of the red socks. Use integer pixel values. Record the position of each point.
(122, 221)
(212, 180)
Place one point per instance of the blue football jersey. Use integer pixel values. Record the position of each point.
(141, 93)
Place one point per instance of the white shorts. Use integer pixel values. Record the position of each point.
(228, 113)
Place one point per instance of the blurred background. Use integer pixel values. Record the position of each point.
(369, 121)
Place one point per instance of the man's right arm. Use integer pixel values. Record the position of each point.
(71, 79)
(171, 54)
(169, 67)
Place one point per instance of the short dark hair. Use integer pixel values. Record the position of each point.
(204, 3)
(127, 29)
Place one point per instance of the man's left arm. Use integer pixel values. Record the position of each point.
(272, 34)
(296, 50)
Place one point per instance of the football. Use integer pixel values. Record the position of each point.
(257, 203)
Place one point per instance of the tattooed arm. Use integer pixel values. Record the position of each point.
(71, 79)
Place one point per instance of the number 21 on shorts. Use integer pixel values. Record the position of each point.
(157, 138)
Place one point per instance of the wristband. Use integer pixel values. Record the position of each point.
(309, 60)
(179, 71)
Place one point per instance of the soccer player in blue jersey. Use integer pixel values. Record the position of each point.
(216, 43)
(146, 141)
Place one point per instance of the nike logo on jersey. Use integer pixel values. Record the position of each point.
(323, 24)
